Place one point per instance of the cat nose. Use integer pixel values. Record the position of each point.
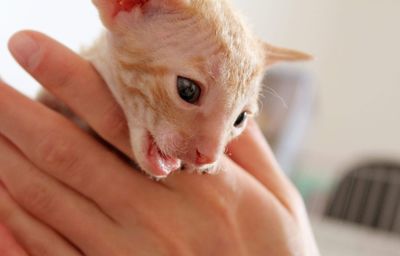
(202, 159)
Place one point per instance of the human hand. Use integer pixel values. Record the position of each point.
(67, 194)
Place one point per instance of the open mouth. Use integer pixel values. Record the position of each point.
(161, 164)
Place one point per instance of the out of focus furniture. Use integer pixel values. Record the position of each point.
(339, 238)
(369, 195)
(285, 110)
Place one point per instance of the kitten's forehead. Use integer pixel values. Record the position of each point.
(207, 36)
(240, 54)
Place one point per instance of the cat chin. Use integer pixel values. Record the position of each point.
(150, 157)
(158, 165)
(205, 169)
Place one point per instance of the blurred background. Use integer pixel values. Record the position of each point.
(333, 123)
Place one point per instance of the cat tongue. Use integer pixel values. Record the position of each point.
(162, 165)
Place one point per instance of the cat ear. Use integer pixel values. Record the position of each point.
(110, 9)
(275, 54)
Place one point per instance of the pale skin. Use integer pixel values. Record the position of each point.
(64, 193)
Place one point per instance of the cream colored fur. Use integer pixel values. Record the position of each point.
(142, 52)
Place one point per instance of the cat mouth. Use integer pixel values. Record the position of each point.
(161, 164)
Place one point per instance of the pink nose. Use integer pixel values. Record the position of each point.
(202, 159)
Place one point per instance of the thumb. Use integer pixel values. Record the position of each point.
(252, 153)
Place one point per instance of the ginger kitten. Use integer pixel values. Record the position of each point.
(187, 74)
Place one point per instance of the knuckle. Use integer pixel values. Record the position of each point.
(37, 198)
(56, 151)
(59, 155)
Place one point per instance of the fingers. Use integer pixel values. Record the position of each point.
(37, 239)
(65, 152)
(253, 154)
(8, 245)
(75, 82)
(50, 202)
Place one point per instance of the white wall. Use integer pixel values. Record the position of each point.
(74, 23)
(356, 42)
(357, 46)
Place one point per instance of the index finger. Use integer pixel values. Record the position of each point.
(75, 82)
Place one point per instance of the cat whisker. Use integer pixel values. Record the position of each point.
(275, 94)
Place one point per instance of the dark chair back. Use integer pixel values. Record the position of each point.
(369, 195)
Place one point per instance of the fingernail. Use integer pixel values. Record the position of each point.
(25, 50)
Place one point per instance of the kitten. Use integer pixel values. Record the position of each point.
(187, 74)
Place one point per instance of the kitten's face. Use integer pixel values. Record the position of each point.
(187, 76)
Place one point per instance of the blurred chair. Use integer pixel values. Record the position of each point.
(369, 195)
(285, 110)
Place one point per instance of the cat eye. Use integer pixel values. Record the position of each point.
(241, 119)
(188, 90)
